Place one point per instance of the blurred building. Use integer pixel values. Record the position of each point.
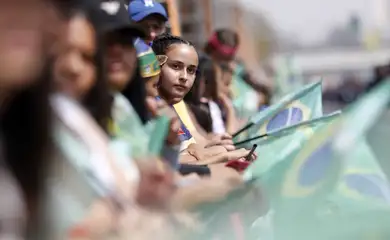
(198, 18)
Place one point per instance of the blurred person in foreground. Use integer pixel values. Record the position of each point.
(154, 188)
(28, 31)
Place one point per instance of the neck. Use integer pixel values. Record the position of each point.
(169, 100)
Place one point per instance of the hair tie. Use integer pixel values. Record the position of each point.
(162, 59)
(222, 48)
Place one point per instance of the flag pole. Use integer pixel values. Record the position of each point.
(174, 20)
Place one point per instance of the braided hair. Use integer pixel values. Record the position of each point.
(164, 41)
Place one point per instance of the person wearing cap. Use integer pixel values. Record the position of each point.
(149, 67)
(119, 34)
(150, 16)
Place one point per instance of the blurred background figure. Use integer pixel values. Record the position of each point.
(149, 15)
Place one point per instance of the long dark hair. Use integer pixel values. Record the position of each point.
(26, 131)
(206, 75)
(135, 92)
(25, 126)
(97, 101)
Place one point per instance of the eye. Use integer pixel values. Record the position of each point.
(191, 71)
(175, 66)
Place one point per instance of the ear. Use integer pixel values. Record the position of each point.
(162, 59)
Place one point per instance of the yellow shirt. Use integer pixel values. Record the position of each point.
(184, 116)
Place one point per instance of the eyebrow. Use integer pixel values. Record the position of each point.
(178, 61)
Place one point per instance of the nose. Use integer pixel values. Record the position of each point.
(183, 76)
(152, 35)
(73, 66)
(114, 49)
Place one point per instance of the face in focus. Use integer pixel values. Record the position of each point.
(74, 69)
(154, 25)
(178, 73)
(151, 86)
(25, 26)
(121, 60)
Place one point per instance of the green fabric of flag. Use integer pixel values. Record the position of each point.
(363, 184)
(126, 126)
(245, 98)
(305, 182)
(279, 144)
(301, 105)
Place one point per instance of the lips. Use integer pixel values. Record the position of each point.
(115, 65)
(181, 88)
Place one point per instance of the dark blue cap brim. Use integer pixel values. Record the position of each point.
(141, 15)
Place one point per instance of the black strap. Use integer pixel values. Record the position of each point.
(186, 169)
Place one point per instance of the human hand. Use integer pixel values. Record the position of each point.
(225, 101)
(201, 153)
(156, 185)
(161, 108)
(207, 190)
(224, 140)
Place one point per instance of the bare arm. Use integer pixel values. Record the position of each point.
(231, 124)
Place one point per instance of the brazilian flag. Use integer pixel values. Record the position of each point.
(277, 145)
(245, 98)
(309, 178)
(363, 184)
(301, 105)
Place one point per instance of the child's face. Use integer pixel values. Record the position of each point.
(151, 86)
(178, 73)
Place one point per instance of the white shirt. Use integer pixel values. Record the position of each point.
(216, 117)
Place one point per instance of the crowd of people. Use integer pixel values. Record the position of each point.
(82, 86)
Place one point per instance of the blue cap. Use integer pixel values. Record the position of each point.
(139, 9)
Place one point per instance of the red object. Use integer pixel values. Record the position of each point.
(78, 231)
(239, 165)
(224, 49)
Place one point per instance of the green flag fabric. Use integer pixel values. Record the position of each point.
(244, 96)
(299, 192)
(301, 105)
(336, 166)
(279, 144)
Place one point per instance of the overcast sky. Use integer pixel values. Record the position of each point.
(311, 20)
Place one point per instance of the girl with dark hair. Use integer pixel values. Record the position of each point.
(27, 29)
(208, 98)
(79, 68)
(222, 47)
(83, 171)
(179, 61)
